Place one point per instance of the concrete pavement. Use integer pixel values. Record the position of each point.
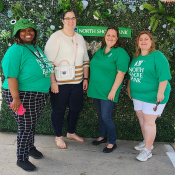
(85, 159)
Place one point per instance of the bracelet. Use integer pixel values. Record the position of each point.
(85, 78)
(53, 82)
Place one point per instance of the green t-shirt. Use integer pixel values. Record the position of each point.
(103, 71)
(145, 73)
(19, 62)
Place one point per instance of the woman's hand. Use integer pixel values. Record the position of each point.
(161, 90)
(85, 85)
(111, 95)
(13, 87)
(160, 97)
(16, 104)
(54, 87)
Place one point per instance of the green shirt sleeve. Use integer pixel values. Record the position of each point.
(162, 67)
(11, 62)
(122, 60)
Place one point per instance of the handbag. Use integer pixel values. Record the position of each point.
(66, 72)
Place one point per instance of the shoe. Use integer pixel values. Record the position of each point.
(141, 145)
(144, 155)
(109, 150)
(26, 165)
(33, 152)
(96, 142)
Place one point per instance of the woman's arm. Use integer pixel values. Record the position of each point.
(128, 89)
(86, 75)
(54, 86)
(160, 94)
(13, 86)
(118, 80)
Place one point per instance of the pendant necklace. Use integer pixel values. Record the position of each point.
(72, 39)
(69, 36)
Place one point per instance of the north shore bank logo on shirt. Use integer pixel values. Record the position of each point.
(47, 63)
(136, 72)
(138, 63)
(36, 53)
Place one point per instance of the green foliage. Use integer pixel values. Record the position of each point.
(1, 6)
(119, 8)
(5, 35)
(164, 49)
(79, 7)
(48, 32)
(159, 14)
(65, 5)
(101, 11)
(149, 7)
(98, 3)
(105, 14)
(97, 13)
(45, 13)
(36, 15)
(17, 10)
(172, 33)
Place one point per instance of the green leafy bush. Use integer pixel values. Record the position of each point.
(47, 13)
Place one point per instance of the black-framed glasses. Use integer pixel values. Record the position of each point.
(155, 108)
(70, 19)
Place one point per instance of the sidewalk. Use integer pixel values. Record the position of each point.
(85, 159)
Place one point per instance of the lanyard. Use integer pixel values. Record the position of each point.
(44, 64)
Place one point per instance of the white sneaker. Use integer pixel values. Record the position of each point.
(141, 145)
(144, 155)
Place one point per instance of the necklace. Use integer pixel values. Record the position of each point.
(72, 39)
(69, 36)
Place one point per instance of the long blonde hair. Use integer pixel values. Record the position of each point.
(138, 50)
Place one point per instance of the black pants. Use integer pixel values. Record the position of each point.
(33, 102)
(71, 95)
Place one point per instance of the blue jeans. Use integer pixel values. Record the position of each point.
(71, 95)
(106, 124)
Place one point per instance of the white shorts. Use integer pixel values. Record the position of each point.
(147, 108)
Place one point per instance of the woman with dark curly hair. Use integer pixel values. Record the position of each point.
(27, 80)
(107, 70)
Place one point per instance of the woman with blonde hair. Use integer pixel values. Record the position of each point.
(149, 89)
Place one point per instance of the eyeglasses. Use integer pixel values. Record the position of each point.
(69, 19)
(155, 108)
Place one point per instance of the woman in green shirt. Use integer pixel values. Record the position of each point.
(107, 70)
(149, 89)
(27, 80)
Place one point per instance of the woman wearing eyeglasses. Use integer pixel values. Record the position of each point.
(66, 48)
(149, 89)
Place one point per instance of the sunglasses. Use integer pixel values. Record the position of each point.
(155, 108)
